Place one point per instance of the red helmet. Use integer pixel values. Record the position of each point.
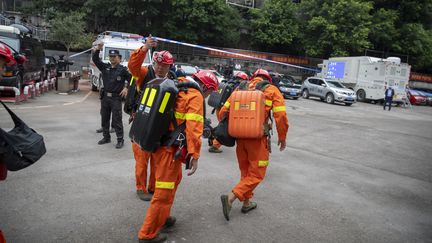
(6, 53)
(207, 78)
(163, 57)
(262, 72)
(241, 75)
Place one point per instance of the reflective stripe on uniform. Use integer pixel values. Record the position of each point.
(268, 102)
(227, 105)
(279, 108)
(263, 163)
(189, 116)
(164, 185)
(132, 79)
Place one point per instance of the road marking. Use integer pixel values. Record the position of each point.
(80, 101)
(49, 106)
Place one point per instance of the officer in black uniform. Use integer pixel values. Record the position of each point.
(115, 79)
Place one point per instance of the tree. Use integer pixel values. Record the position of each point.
(203, 21)
(417, 43)
(335, 28)
(384, 34)
(68, 29)
(276, 26)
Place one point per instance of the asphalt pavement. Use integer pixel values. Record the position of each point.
(349, 174)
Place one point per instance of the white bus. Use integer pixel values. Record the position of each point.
(125, 43)
(368, 76)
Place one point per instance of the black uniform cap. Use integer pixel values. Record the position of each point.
(114, 53)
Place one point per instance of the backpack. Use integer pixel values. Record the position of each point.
(247, 111)
(218, 98)
(150, 128)
(131, 100)
(20, 147)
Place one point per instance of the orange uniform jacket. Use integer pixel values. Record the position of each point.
(274, 102)
(189, 108)
(135, 66)
(141, 157)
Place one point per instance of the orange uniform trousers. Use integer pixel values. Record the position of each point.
(141, 164)
(253, 159)
(168, 177)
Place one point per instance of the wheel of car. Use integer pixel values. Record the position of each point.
(361, 95)
(305, 94)
(330, 98)
(18, 83)
(348, 104)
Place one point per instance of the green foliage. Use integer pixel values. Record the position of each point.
(276, 24)
(417, 43)
(316, 28)
(203, 21)
(335, 28)
(68, 29)
(384, 34)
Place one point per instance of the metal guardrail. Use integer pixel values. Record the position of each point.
(39, 33)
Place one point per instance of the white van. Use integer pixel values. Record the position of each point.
(125, 43)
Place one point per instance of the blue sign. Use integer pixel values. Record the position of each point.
(336, 70)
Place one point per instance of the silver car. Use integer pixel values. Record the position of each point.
(329, 90)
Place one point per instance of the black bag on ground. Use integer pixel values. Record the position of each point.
(22, 145)
(221, 133)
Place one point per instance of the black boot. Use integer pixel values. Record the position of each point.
(119, 144)
(100, 130)
(104, 141)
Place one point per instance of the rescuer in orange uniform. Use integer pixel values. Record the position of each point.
(253, 154)
(141, 74)
(189, 109)
(215, 148)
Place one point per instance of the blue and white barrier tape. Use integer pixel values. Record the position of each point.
(216, 50)
(231, 53)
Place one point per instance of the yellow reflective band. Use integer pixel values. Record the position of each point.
(144, 96)
(189, 116)
(151, 97)
(165, 185)
(131, 81)
(220, 91)
(164, 102)
(252, 105)
(194, 117)
(268, 102)
(279, 108)
(236, 105)
(179, 115)
(263, 163)
(227, 105)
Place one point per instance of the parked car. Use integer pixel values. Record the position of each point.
(329, 90)
(289, 88)
(187, 68)
(416, 97)
(19, 39)
(50, 67)
(428, 95)
(218, 75)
